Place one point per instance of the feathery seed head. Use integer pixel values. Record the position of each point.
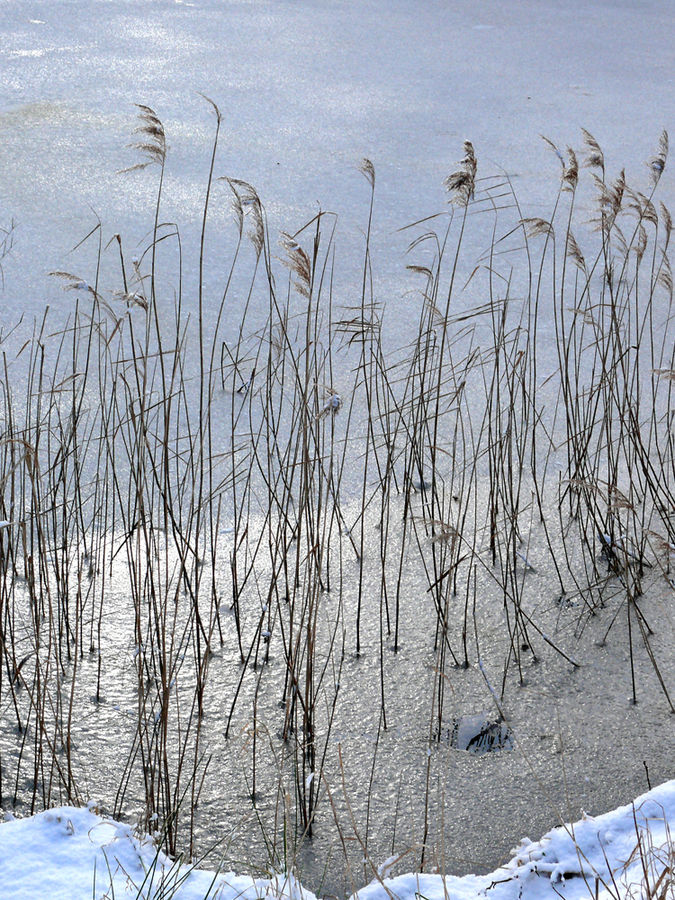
(461, 184)
(595, 158)
(246, 206)
(658, 162)
(667, 223)
(298, 262)
(535, 226)
(153, 139)
(571, 171)
(574, 252)
(368, 170)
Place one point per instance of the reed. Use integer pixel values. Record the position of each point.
(220, 508)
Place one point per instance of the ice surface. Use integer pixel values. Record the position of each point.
(306, 90)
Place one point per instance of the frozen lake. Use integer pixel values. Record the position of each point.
(306, 91)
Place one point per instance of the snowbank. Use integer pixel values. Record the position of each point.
(77, 854)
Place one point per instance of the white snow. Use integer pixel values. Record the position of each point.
(79, 854)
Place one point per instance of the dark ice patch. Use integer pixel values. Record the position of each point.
(477, 734)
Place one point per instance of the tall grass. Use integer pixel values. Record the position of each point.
(225, 503)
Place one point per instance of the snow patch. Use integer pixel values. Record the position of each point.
(79, 854)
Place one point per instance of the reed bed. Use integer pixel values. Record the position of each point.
(229, 503)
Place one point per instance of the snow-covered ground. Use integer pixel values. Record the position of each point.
(77, 854)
